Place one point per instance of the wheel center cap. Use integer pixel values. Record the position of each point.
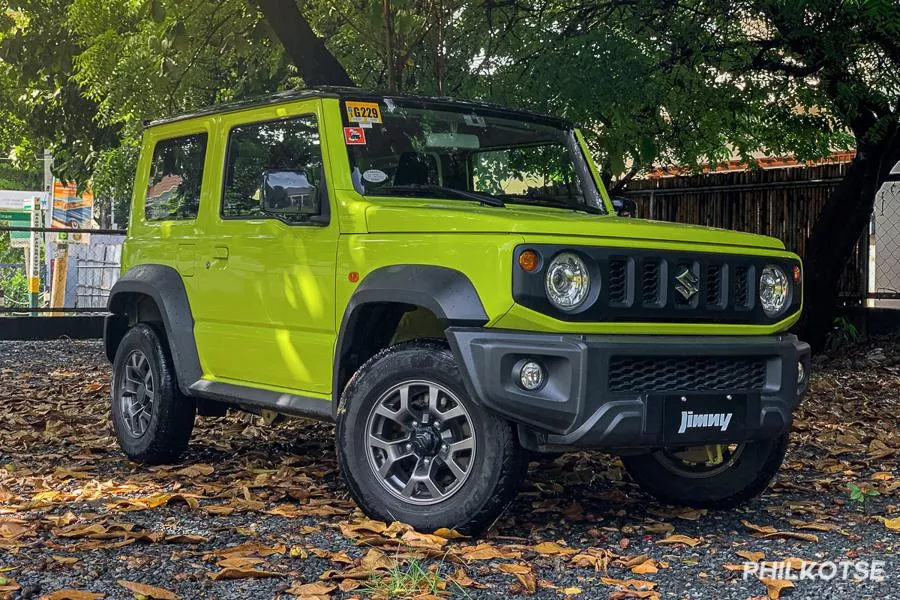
(427, 441)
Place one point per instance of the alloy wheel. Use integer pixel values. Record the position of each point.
(420, 442)
(136, 394)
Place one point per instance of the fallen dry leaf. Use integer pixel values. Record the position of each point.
(892, 524)
(523, 573)
(766, 531)
(680, 539)
(774, 587)
(552, 548)
(751, 556)
(72, 595)
(636, 584)
(236, 573)
(318, 588)
(148, 591)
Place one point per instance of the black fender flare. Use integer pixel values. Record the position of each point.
(446, 292)
(164, 286)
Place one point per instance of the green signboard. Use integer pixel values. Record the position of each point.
(16, 218)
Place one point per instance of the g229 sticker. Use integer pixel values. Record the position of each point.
(363, 113)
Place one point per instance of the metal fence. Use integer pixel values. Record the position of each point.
(884, 277)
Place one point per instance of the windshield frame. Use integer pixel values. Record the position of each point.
(591, 199)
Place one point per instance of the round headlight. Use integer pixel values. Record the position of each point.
(568, 281)
(774, 290)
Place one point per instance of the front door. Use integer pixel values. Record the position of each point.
(266, 312)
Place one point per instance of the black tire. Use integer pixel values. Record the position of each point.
(171, 414)
(495, 468)
(738, 480)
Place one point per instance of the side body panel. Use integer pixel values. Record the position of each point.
(264, 303)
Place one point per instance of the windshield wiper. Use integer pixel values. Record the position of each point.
(440, 189)
(551, 201)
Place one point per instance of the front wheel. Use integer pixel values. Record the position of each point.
(413, 447)
(713, 476)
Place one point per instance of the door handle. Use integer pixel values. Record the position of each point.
(220, 252)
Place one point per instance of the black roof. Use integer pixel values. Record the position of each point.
(357, 93)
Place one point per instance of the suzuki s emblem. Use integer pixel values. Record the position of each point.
(687, 283)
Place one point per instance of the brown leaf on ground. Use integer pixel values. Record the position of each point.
(774, 587)
(449, 534)
(488, 552)
(148, 590)
(462, 579)
(767, 531)
(72, 595)
(648, 567)
(239, 562)
(680, 539)
(636, 584)
(235, 573)
(751, 556)
(310, 590)
(553, 548)
(523, 573)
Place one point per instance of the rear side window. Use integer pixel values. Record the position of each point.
(253, 149)
(173, 193)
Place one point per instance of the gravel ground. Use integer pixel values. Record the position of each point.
(75, 514)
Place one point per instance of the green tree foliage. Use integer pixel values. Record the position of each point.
(653, 82)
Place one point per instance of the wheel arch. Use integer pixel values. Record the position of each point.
(155, 294)
(373, 314)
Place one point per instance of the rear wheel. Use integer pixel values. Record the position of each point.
(413, 446)
(152, 419)
(713, 476)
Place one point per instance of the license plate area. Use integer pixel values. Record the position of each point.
(707, 418)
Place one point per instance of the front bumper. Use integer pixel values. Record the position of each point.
(609, 392)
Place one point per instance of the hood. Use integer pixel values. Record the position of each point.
(390, 215)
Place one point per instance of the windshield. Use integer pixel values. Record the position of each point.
(409, 148)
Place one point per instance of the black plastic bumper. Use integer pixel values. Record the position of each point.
(610, 392)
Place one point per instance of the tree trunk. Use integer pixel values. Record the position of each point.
(315, 63)
(843, 220)
(389, 39)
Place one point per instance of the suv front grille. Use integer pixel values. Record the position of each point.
(618, 273)
(650, 283)
(686, 373)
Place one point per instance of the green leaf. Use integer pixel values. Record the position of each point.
(157, 11)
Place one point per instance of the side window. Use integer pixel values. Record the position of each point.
(254, 149)
(173, 192)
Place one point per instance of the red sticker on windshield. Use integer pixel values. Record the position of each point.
(355, 136)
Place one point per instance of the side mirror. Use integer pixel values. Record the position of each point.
(290, 193)
(625, 207)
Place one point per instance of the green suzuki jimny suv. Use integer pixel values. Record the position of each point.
(449, 282)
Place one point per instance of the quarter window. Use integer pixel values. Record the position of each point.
(173, 192)
(254, 149)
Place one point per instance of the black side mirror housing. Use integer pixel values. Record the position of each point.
(290, 194)
(625, 207)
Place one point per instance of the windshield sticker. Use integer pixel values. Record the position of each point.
(354, 136)
(375, 176)
(363, 113)
(389, 104)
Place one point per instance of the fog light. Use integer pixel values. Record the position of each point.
(531, 375)
(801, 372)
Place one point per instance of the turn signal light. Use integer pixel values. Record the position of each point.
(529, 261)
(796, 273)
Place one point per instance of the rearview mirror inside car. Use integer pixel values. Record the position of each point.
(625, 207)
